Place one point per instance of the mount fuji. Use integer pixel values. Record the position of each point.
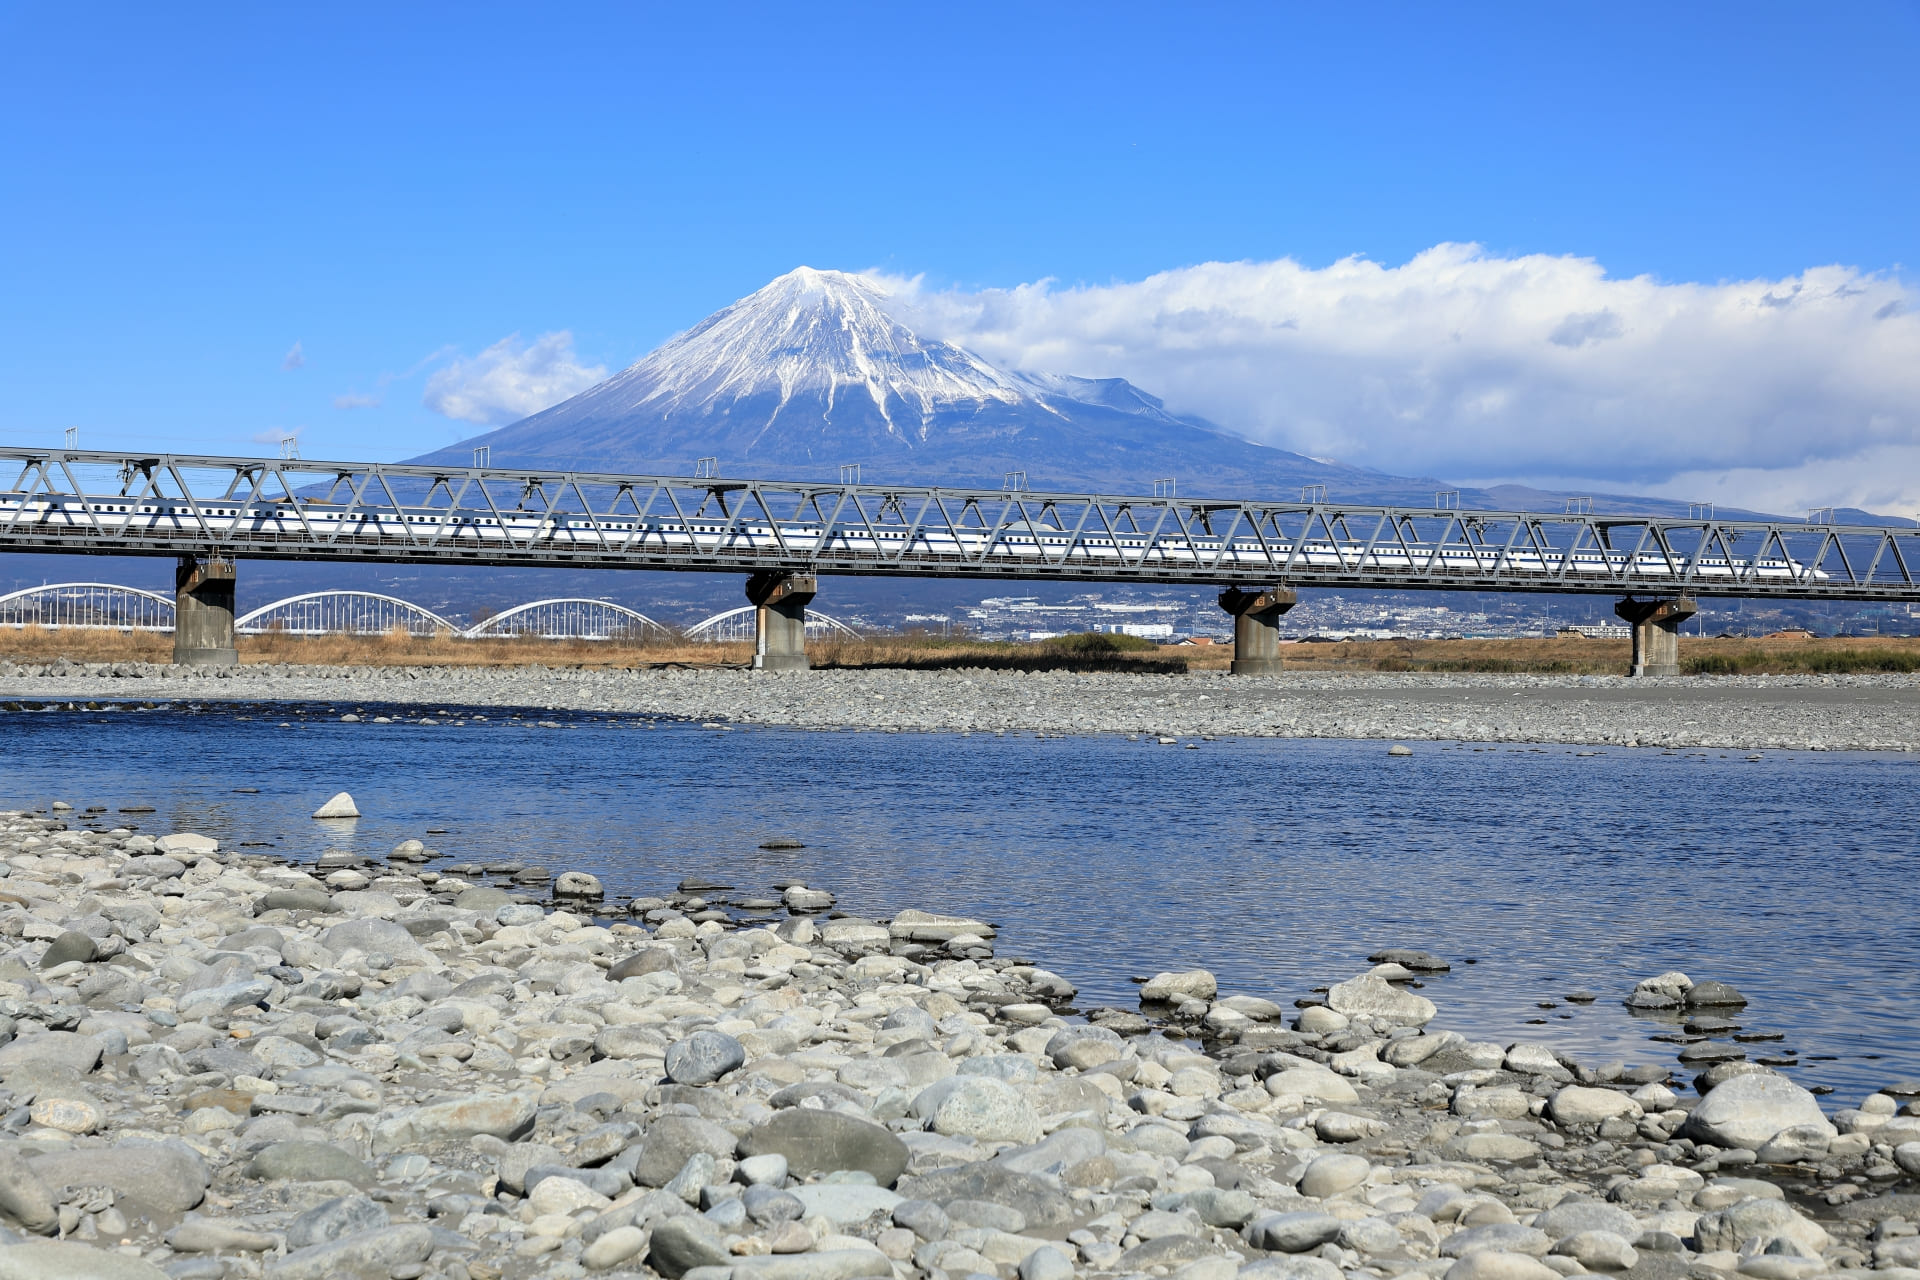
(819, 369)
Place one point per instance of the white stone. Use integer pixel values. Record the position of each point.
(340, 806)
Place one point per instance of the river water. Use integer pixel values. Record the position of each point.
(1278, 864)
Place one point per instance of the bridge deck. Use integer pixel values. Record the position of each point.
(103, 503)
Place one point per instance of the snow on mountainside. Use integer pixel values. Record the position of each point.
(815, 370)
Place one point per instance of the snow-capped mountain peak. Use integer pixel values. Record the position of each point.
(819, 369)
(811, 333)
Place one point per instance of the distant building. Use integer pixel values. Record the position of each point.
(1599, 631)
(1791, 633)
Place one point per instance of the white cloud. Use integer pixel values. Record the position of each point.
(354, 400)
(509, 380)
(294, 358)
(1786, 394)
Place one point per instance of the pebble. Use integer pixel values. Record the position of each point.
(1799, 712)
(412, 1082)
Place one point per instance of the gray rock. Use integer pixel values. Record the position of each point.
(45, 1260)
(334, 1219)
(704, 1057)
(209, 1001)
(1058, 1150)
(911, 1017)
(370, 935)
(167, 1177)
(372, 1254)
(1374, 997)
(211, 1235)
(817, 1142)
(1292, 1232)
(844, 1202)
(672, 1140)
(1046, 1263)
(1290, 1268)
(1748, 1110)
(985, 1213)
(500, 1115)
(62, 1048)
(977, 1107)
(1081, 1047)
(1218, 1207)
(1571, 1217)
(682, 1243)
(1167, 1251)
(1598, 1251)
(69, 946)
(1041, 1202)
(924, 1218)
(310, 1162)
(296, 900)
(613, 1248)
(1499, 1237)
(25, 1201)
(825, 1264)
(1762, 1220)
(1330, 1174)
(769, 1205)
(482, 898)
(1491, 1264)
(1714, 995)
(1795, 1144)
(641, 963)
(578, 884)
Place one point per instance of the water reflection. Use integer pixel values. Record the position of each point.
(1278, 864)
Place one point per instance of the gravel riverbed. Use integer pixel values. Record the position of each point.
(1872, 712)
(214, 1064)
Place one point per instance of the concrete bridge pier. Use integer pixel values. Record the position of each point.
(780, 619)
(1256, 627)
(203, 612)
(1656, 632)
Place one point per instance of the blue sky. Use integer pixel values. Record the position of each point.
(189, 193)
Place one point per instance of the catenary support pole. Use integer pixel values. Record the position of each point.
(1656, 632)
(203, 612)
(780, 619)
(1256, 627)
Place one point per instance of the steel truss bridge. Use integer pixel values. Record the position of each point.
(226, 508)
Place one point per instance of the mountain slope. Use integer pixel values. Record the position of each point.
(815, 371)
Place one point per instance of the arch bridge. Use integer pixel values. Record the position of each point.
(101, 606)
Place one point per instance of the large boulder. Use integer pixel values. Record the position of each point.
(1748, 1110)
(817, 1142)
(165, 1177)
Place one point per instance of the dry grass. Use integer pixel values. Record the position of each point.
(1577, 655)
(1564, 656)
(395, 649)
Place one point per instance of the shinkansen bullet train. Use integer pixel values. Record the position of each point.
(271, 521)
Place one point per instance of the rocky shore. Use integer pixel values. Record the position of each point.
(1880, 713)
(218, 1065)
